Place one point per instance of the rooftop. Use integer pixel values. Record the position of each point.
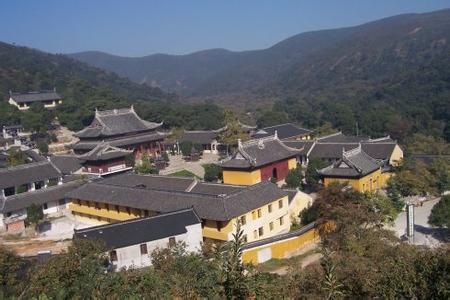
(284, 131)
(142, 230)
(116, 122)
(164, 194)
(67, 164)
(354, 163)
(35, 96)
(104, 151)
(260, 152)
(32, 172)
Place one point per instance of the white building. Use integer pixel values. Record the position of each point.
(23, 101)
(130, 243)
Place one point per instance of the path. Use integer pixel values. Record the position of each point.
(177, 163)
(425, 234)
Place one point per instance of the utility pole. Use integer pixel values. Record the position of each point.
(410, 222)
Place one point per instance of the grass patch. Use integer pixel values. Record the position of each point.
(12, 237)
(184, 173)
(275, 264)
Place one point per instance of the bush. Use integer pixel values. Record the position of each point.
(43, 147)
(440, 214)
(213, 172)
(34, 214)
(294, 178)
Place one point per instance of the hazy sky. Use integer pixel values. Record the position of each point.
(136, 28)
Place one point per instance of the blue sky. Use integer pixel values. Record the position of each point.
(137, 28)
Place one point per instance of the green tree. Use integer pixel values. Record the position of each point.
(11, 283)
(165, 156)
(294, 178)
(34, 214)
(233, 131)
(146, 165)
(331, 285)
(270, 118)
(43, 147)
(213, 172)
(186, 148)
(312, 177)
(440, 213)
(16, 158)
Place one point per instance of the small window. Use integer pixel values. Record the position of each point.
(107, 206)
(219, 225)
(146, 214)
(172, 241)
(117, 208)
(261, 231)
(259, 213)
(269, 208)
(271, 226)
(45, 206)
(113, 255)
(280, 204)
(255, 234)
(97, 206)
(243, 220)
(281, 221)
(254, 215)
(128, 211)
(143, 249)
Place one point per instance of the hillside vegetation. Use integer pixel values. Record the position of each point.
(388, 76)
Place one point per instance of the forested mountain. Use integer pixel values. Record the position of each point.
(389, 76)
(85, 88)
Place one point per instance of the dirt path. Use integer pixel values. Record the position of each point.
(33, 246)
(304, 262)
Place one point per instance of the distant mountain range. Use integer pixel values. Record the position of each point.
(361, 56)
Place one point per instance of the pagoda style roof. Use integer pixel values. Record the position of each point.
(104, 151)
(212, 201)
(285, 131)
(354, 163)
(201, 136)
(115, 122)
(35, 96)
(260, 152)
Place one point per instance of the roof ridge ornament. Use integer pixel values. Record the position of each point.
(275, 135)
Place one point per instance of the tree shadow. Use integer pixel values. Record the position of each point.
(440, 234)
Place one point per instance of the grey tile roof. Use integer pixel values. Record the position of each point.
(218, 206)
(376, 150)
(104, 151)
(354, 163)
(35, 96)
(302, 146)
(339, 137)
(116, 122)
(157, 182)
(284, 131)
(32, 172)
(38, 197)
(199, 137)
(142, 230)
(121, 142)
(67, 164)
(260, 152)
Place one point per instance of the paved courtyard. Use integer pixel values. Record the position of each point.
(177, 163)
(424, 233)
(61, 228)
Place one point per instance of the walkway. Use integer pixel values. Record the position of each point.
(177, 163)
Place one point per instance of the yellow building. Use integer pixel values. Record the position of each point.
(262, 209)
(356, 168)
(23, 101)
(259, 160)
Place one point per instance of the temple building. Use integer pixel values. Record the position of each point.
(130, 243)
(23, 101)
(286, 131)
(329, 148)
(262, 209)
(121, 128)
(105, 159)
(356, 168)
(259, 160)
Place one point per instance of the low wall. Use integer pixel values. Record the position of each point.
(281, 246)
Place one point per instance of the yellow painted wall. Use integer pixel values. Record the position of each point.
(396, 156)
(282, 249)
(102, 212)
(292, 163)
(210, 230)
(300, 202)
(362, 184)
(241, 177)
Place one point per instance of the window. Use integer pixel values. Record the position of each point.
(281, 221)
(269, 208)
(271, 226)
(143, 249)
(146, 213)
(45, 206)
(172, 241)
(219, 225)
(259, 213)
(280, 204)
(261, 231)
(117, 208)
(113, 255)
(255, 234)
(128, 211)
(243, 220)
(107, 206)
(254, 215)
(97, 206)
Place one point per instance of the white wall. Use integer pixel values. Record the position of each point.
(131, 256)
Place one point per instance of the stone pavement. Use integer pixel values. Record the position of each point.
(425, 234)
(177, 163)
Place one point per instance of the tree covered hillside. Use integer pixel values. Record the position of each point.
(85, 88)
